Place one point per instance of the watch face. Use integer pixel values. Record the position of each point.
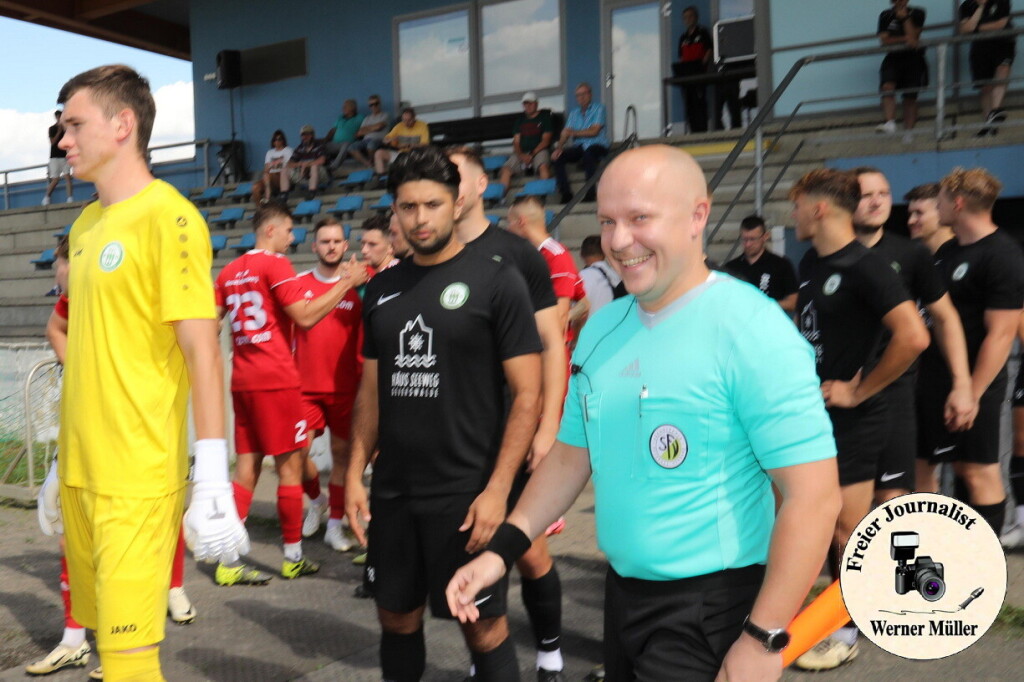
(777, 641)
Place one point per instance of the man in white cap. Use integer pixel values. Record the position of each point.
(531, 142)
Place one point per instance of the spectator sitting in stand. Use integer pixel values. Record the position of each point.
(583, 139)
(407, 134)
(343, 134)
(531, 142)
(371, 133)
(274, 163)
(309, 161)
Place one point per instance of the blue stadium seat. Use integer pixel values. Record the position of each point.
(494, 218)
(383, 204)
(218, 242)
(45, 260)
(205, 214)
(356, 179)
(348, 230)
(298, 237)
(248, 241)
(209, 195)
(492, 164)
(538, 188)
(63, 232)
(307, 210)
(347, 205)
(493, 194)
(549, 215)
(242, 192)
(228, 217)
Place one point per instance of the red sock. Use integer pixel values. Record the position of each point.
(337, 495)
(289, 510)
(243, 500)
(65, 595)
(178, 567)
(312, 488)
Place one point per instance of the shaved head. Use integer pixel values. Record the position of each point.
(653, 205)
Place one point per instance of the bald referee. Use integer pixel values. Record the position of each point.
(683, 448)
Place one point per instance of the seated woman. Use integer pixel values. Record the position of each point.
(273, 179)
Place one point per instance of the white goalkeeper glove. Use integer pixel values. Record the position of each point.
(212, 526)
(48, 503)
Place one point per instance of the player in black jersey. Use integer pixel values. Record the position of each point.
(915, 266)
(445, 332)
(923, 217)
(847, 297)
(542, 588)
(772, 274)
(984, 270)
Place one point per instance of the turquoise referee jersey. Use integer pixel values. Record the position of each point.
(682, 412)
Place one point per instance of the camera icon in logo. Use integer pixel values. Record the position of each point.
(924, 575)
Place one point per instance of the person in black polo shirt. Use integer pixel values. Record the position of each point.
(444, 332)
(984, 270)
(847, 297)
(913, 263)
(695, 53)
(901, 69)
(772, 274)
(990, 59)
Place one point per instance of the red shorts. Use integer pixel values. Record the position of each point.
(269, 422)
(331, 410)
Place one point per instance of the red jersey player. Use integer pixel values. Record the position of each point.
(376, 249)
(261, 295)
(330, 365)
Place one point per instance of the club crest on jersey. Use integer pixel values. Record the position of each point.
(111, 257)
(896, 267)
(454, 295)
(416, 345)
(832, 284)
(960, 272)
(668, 446)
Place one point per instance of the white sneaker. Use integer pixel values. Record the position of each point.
(69, 200)
(179, 606)
(61, 657)
(887, 128)
(1013, 538)
(338, 539)
(827, 654)
(96, 674)
(46, 201)
(315, 515)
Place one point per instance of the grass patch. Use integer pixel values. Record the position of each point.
(11, 447)
(1011, 620)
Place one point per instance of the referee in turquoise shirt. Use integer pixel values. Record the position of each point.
(687, 400)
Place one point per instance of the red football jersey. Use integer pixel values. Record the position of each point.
(61, 307)
(328, 355)
(255, 288)
(565, 277)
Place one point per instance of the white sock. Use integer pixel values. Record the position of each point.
(229, 558)
(333, 523)
(472, 670)
(1020, 514)
(847, 635)
(293, 550)
(73, 637)
(550, 660)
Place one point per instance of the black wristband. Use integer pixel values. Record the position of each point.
(508, 542)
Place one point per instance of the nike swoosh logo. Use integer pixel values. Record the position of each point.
(384, 299)
(478, 602)
(549, 641)
(884, 478)
(803, 284)
(939, 451)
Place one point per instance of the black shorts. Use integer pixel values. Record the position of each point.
(860, 435)
(676, 629)
(1018, 386)
(415, 548)
(980, 444)
(518, 486)
(905, 70)
(896, 463)
(987, 56)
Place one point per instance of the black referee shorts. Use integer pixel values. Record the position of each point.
(415, 549)
(988, 55)
(655, 631)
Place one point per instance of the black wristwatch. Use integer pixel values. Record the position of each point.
(774, 641)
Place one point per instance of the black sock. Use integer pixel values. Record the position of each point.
(402, 657)
(960, 490)
(994, 514)
(543, 601)
(497, 665)
(1017, 478)
(834, 559)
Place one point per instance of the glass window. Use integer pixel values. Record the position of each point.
(731, 9)
(522, 46)
(434, 58)
(552, 102)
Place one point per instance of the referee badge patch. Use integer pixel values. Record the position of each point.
(668, 446)
(454, 295)
(832, 284)
(959, 272)
(111, 257)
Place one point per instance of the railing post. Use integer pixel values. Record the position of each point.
(759, 164)
(7, 191)
(941, 51)
(206, 163)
